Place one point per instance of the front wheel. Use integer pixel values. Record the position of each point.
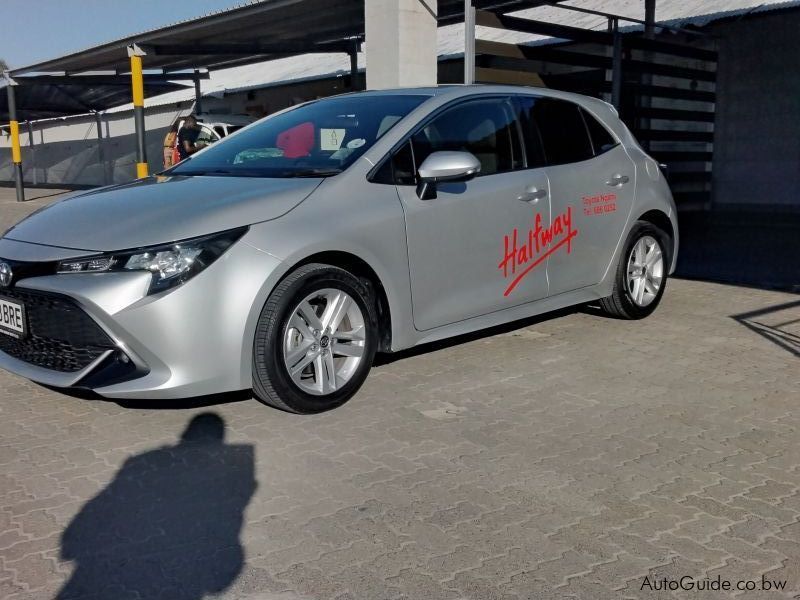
(315, 340)
(641, 274)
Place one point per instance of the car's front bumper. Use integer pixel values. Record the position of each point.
(193, 340)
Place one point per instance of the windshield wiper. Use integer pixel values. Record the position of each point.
(313, 173)
(201, 173)
(258, 173)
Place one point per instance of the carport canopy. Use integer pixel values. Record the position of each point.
(47, 97)
(252, 33)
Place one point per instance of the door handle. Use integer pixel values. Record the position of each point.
(618, 180)
(532, 195)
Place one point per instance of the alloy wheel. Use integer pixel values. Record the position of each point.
(645, 270)
(324, 341)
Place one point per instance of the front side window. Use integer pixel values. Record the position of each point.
(486, 128)
(314, 140)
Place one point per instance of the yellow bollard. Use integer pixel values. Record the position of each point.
(137, 85)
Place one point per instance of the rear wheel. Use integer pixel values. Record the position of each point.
(315, 340)
(641, 274)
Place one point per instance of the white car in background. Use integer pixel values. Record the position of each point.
(214, 127)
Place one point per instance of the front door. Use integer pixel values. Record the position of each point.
(477, 247)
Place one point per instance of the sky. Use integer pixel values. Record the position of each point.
(35, 30)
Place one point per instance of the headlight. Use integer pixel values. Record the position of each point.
(171, 264)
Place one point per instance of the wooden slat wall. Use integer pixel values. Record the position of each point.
(668, 88)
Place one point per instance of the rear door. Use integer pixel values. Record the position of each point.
(472, 249)
(592, 182)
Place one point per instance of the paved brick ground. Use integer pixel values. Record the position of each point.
(12, 211)
(567, 458)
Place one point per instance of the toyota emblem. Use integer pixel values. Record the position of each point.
(5, 274)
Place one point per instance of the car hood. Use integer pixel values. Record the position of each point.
(158, 210)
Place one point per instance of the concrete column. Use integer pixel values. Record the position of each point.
(469, 42)
(400, 43)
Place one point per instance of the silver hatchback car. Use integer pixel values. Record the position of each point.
(282, 258)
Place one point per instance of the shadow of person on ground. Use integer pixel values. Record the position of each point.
(168, 525)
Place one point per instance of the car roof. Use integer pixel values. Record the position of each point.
(445, 93)
(460, 90)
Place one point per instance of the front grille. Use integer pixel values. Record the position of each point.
(61, 336)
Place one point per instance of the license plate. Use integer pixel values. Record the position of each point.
(12, 318)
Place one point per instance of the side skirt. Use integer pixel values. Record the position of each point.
(502, 317)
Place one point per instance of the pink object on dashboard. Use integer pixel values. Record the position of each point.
(297, 141)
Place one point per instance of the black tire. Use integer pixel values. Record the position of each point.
(272, 383)
(621, 304)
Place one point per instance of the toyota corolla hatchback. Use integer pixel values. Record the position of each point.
(282, 258)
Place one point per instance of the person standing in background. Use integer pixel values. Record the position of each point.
(169, 145)
(187, 137)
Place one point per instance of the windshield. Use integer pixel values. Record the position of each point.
(314, 140)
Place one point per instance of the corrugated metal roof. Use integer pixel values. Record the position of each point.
(122, 42)
(43, 101)
(258, 23)
(268, 28)
(451, 40)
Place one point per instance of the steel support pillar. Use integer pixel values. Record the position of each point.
(137, 86)
(198, 96)
(469, 42)
(649, 18)
(16, 152)
(647, 79)
(31, 145)
(101, 148)
(354, 65)
(616, 66)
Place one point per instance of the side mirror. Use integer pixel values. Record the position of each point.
(445, 166)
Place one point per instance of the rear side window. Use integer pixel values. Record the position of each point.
(563, 131)
(602, 140)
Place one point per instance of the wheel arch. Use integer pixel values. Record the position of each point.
(661, 220)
